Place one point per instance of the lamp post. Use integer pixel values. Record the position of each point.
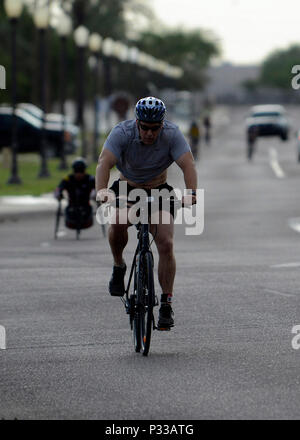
(13, 9)
(41, 20)
(81, 37)
(64, 29)
(95, 42)
(107, 51)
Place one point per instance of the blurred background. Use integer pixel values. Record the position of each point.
(71, 69)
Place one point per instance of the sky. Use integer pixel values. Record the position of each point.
(248, 30)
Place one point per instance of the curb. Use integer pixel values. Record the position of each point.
(16, 212)
(14, 216)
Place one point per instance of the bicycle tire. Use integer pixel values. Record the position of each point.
(137, 333)
(135, 318)
(146, 301)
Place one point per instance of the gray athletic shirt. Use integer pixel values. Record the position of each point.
(141, 163)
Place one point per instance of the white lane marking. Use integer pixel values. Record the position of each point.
(276, 292)
(294, 223)
(61, 233)
(285, 265)
(273, 155)
(2, 338)
(45, 244)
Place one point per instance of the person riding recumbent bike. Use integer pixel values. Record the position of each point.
(80, 189)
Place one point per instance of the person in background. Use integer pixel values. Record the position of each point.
(194, 137)
(207, 126)
(80, 188)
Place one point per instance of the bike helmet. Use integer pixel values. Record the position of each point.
(150, 109)
(79, 165)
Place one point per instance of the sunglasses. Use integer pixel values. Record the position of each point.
(152, 128)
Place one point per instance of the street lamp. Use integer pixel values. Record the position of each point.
(81, 37)
(133, 55)
(13, 9)
(95, 42)
(107, 50)
(41, 19)
(64, 29)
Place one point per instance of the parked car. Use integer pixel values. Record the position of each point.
(29, 119)
(268, 120)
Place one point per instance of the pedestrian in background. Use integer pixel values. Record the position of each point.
(195, 137)
(207, 126)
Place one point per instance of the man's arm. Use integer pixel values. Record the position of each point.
(59, 190)
(105, 163)
(187, 164)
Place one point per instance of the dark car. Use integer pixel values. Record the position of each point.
(29, 122)
(268, 120)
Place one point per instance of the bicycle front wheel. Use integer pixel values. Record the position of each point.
(146, 300)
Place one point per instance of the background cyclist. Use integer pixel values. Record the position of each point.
(80, 188)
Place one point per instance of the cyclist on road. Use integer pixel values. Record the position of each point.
(143, 149)
(194, 136)
(207, 125)
(80, 188)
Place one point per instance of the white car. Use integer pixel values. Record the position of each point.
(268, 120)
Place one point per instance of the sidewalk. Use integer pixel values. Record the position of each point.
(14, 207)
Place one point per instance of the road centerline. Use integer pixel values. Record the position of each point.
(274, 163)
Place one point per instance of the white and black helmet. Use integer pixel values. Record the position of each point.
(150, 109)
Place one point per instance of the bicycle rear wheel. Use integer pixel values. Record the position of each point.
(146, 301)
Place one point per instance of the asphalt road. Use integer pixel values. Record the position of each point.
(69, 350)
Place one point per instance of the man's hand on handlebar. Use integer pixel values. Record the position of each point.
(105, 195)
(189, 200)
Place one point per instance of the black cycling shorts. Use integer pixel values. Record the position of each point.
(152, 207)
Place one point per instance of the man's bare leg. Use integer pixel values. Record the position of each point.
(118, 238)
(118, 234)
(164, 242)
(166, 268)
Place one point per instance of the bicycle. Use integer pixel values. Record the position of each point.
(140, 302)
(79, 220)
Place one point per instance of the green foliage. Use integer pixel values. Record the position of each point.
(25, 60)
(276, 69)
(29, 166)
(191, 50)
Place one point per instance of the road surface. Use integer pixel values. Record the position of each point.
(230, 356)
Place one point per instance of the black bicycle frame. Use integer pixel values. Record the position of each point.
(142, 247)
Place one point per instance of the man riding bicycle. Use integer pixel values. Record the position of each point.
(80, 188)
(143, 149)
